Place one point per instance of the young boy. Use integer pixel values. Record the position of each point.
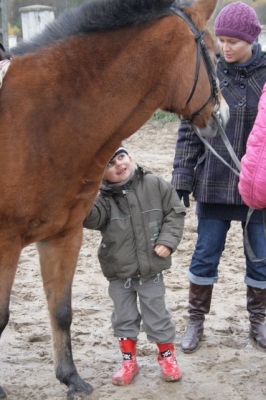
(141, 220)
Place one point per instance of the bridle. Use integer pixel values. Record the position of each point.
(202, 51)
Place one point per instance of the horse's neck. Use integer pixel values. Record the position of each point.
(129, 72)
(122, 75)
(130, 83)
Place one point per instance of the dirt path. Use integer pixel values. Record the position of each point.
(226, 367)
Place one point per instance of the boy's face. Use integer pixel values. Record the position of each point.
(119, 169)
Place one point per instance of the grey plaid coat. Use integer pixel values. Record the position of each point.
(196, 169)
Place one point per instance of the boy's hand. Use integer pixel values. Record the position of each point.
(162, 251)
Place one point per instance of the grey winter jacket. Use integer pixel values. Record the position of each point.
(196, 169)
(132, 219)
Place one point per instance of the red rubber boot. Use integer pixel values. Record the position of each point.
(129, 367)
(168, 363)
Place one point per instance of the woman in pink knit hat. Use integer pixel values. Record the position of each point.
(242, 73)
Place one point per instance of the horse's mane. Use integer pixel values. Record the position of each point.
(99, 16)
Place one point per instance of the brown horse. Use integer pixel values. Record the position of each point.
(69, 97)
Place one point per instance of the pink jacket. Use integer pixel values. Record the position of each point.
(252, 181)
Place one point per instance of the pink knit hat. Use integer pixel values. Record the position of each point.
(238, 20)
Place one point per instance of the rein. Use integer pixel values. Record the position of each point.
(227, 145)
(202, 51)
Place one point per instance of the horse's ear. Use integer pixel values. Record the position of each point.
(202, 11)
(2, 47)
(206, 7)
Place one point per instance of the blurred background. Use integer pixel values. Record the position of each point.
(17, 15)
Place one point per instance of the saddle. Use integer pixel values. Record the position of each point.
(4, 65)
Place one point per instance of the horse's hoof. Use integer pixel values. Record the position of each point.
(2, 393)
(80, 392)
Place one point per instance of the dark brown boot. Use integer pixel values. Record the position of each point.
(199, 305)
(256, 306)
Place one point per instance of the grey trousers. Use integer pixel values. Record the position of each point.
(126, 318)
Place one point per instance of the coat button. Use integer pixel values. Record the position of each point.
(225, 70)
(226, 83)
(240, 103)
(242, 85)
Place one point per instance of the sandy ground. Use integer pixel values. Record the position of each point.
(227, 365)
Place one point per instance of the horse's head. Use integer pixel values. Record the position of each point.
(200, 96)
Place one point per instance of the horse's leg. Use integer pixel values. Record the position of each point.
(9, 256)
(58, 258)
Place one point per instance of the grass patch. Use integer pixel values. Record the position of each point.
(164, 117)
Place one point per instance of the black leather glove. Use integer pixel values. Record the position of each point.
(184, 194)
